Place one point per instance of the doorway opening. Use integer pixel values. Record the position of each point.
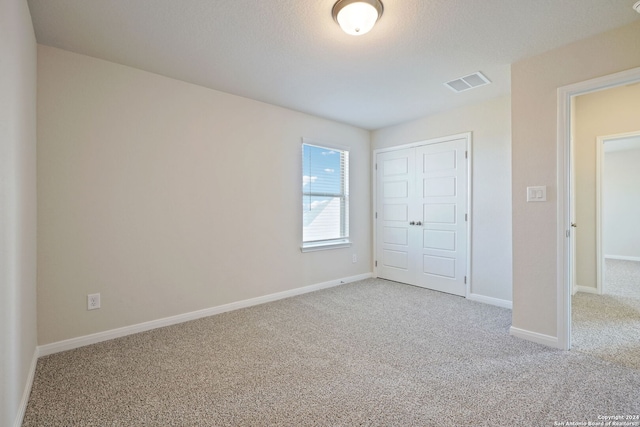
(617, 210)
(605, 316)
(568, 279)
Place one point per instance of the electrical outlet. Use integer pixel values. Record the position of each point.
(354, 258)
(93, 301)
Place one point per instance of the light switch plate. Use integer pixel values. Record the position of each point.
(537, 194)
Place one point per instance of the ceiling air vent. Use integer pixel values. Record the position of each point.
(468, 82)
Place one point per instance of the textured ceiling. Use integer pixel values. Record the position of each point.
(291, 53)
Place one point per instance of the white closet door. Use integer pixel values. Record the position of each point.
(441, 179)
(421, 206)
(396, 192)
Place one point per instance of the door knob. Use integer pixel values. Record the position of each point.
(419, 223)
(573, 224)
(412, 223)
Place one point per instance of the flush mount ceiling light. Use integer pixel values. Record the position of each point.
(357, 17)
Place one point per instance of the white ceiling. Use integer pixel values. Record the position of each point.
(291, 53)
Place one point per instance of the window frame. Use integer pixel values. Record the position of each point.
(335, 243)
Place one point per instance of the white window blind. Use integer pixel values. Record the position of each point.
(325, 196)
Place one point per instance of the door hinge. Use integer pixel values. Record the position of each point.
(465, 280)
(466, 154)
(376, 166)
(466, 217)
(376, 263)
(376, 215)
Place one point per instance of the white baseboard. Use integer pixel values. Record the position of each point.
(492, 301)
(587, 289)
(623, 257)
(82, 341)
(536, 337)
(27, 389)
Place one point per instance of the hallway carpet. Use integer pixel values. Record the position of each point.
(608, 326)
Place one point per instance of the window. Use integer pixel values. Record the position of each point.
(325, 196)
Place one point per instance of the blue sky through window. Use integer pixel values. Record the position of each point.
(321, 170)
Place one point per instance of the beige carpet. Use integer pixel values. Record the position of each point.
(371, 353)
(608, 326)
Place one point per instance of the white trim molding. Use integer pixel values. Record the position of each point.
(587, 290)
(547, 340)
(467, 135)
(82, 341)
(490, 300)
(622, 257)
(599, 218)
(27, 389)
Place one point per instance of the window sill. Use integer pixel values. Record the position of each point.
(312, 247)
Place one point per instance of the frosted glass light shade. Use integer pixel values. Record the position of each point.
(357, 17)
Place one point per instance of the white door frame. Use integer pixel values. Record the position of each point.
(572, 197)
(465, 135)
(600, 255)
(563, 219)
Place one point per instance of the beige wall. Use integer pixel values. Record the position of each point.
(534, 85)
(17, 206)
(607, 112)
(490, 123)
(168, 198)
